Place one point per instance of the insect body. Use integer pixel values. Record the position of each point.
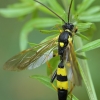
(31, 57)
(63, 37)
(63, 43)
(62, 81)
(60, 73)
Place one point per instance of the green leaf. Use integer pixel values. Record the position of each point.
(49, 37)
(56, 7)
(27, 1)
(49, 31)
(84, 69)
(82, 27)
(90, 18)
(32, 44)
(92, 11)
(82, 36)
(44, 79)
(20, 5)
(35, 23)
(12, 13)
(83, 6)
(53, 63)
(81, 56)
(24, 37)
(90, 46)
(88, 82)
(43, 22)
(73, 97)
(42, 8)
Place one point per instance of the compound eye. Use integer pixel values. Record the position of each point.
(71, 27)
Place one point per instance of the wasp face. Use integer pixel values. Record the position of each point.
(68, 26)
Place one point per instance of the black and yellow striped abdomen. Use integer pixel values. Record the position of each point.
(62, 82)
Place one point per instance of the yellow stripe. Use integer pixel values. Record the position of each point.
(62, 85)
(70, 39)
(61, 71)
(67, 30)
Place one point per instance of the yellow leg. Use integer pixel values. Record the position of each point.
(70, 92)
(49, 66)
(57, 26)
(72, 87)
(54, 86)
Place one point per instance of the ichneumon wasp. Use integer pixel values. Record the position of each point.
(39, 54)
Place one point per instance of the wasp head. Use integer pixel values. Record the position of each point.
(68, 26)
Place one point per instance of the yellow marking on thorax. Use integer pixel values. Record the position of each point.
(62, 85)
(61, 44)
(61, 71)
(67, 30)
(70, 39)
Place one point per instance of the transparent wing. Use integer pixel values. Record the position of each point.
(67, 63)
(76, 75)
(45, 57)
(31, 57)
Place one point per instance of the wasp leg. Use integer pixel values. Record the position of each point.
(72, 87)
(70, 92)
(53, 78)
(49, 66)
(74, 31)
(58, 26)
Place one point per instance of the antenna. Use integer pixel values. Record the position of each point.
(50, 10)
(69, 10)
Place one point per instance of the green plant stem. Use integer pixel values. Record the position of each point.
(84, 68)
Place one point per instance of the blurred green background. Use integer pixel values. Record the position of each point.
(18, 85)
